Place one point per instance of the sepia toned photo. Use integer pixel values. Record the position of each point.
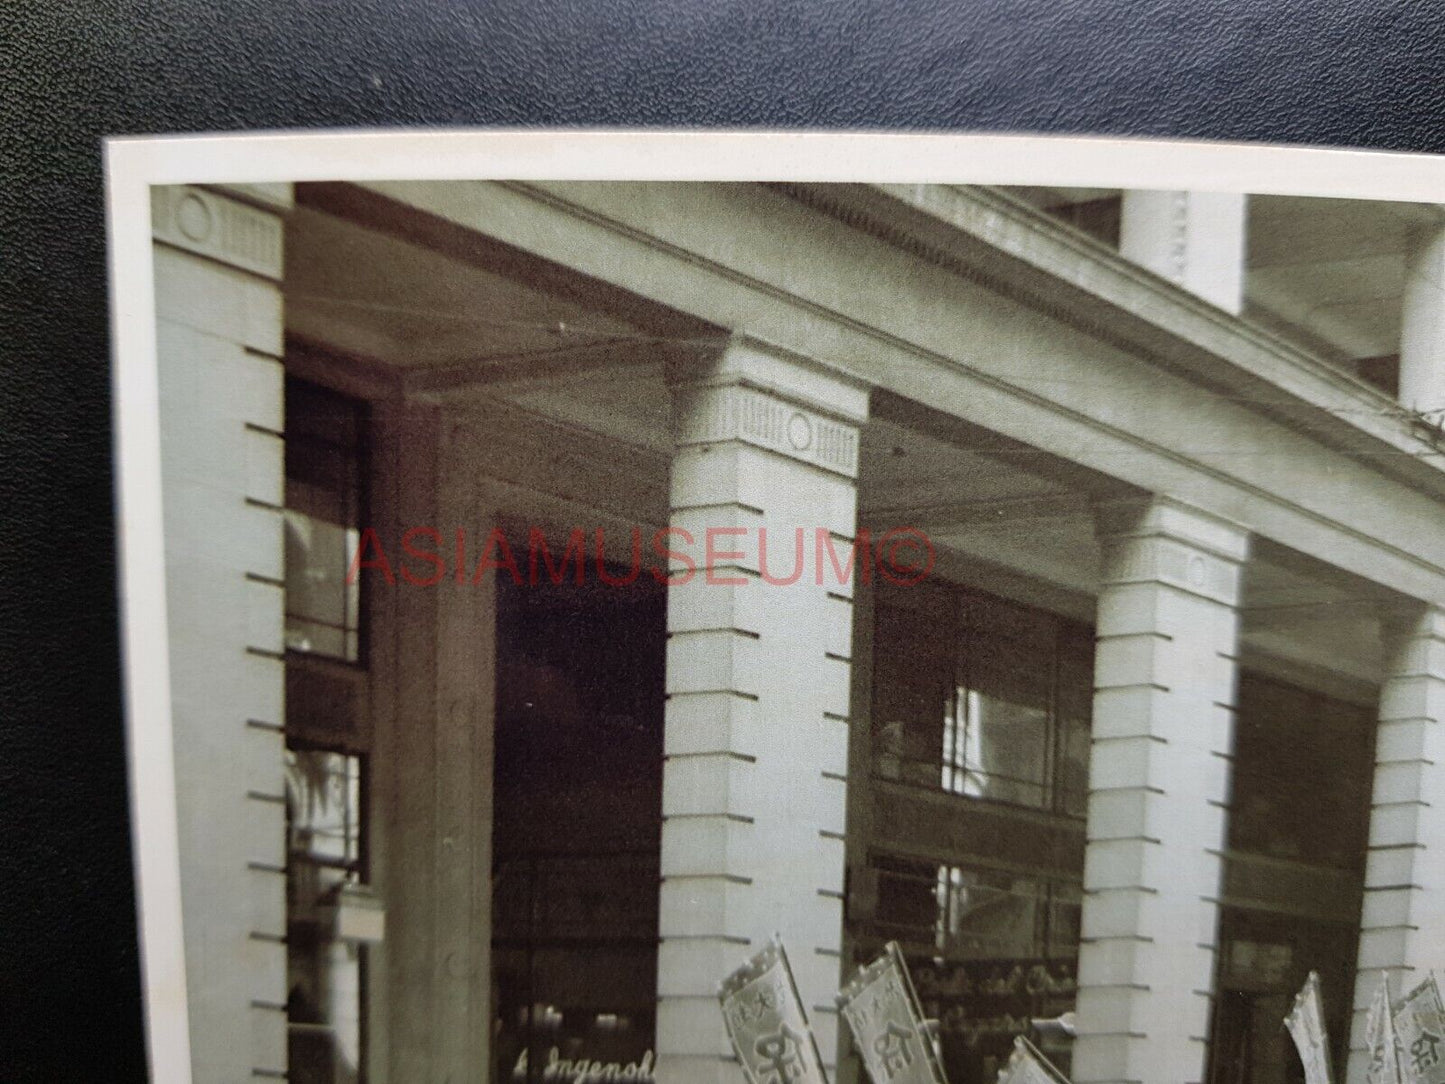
(702, 610)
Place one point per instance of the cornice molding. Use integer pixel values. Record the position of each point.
(1012, 248)
(633, 253)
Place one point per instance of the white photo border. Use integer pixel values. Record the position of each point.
(134, 164)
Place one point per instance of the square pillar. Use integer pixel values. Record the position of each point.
(1402, 921)
(433, 682)
(1422, 323)
(758, 668)
(219, 343)
(1165, 678)
(1195, 239)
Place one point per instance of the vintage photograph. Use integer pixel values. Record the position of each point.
(593, 626)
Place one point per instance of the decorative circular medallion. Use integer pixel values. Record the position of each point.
(194, 218)
(1196, 571)
(800, 432)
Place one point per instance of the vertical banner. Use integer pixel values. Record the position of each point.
(1421, 1031)
(766, 1023)
(1027, 1066)
(1306, 1023)
(1380, 1039)
(882, 1011)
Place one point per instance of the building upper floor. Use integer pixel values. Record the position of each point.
(1354, 283)
(1020, 332)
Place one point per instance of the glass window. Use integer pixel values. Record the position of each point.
(985, 699)
(988, 914)
(965, 912)
(323, 794)
(324, 974)
(990, 951)
(996, 748)
(991, 701)
(1075, 740)
(907, 909)
(1074, 705)
(1287, 739)
(577, 818)
(1264, 958)
(322, 521)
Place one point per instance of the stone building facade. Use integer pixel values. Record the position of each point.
(1129, 703)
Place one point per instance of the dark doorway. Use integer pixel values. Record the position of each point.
(1293, 874)
(578, 799)
(1264, 960)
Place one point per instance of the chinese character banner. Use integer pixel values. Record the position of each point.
(1027, 1066)
(882, 1010)
(766, 1023)
(1381, 1041)
(1306, 1024)
(1420, 1026)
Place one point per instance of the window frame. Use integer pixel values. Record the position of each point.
(359, 455)
(965, 611)
(327, 697)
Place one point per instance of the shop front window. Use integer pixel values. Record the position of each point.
(995, 748)
(1287, 739)
(985, 699)
(982, 729)
(990, 950)
(577, 829)
(323, 861)
(322, 522)
(331, 915)
(1294, 873)
(1264, 959)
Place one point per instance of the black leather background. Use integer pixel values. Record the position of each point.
(1359, 73)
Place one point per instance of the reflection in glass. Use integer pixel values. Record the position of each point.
(1287, 739)
(985, 699)
(577, 802)
(323, 1006)
(322, 521)
(995, 748)
(990, 950)
(973, 913)
(322, 608)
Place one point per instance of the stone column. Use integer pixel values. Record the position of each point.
(1402, 922)
(1422, 326)
(860, 804)
(219, 343)
(433, 661)
(754, 783)
(1195, 239)
(1165, 677)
